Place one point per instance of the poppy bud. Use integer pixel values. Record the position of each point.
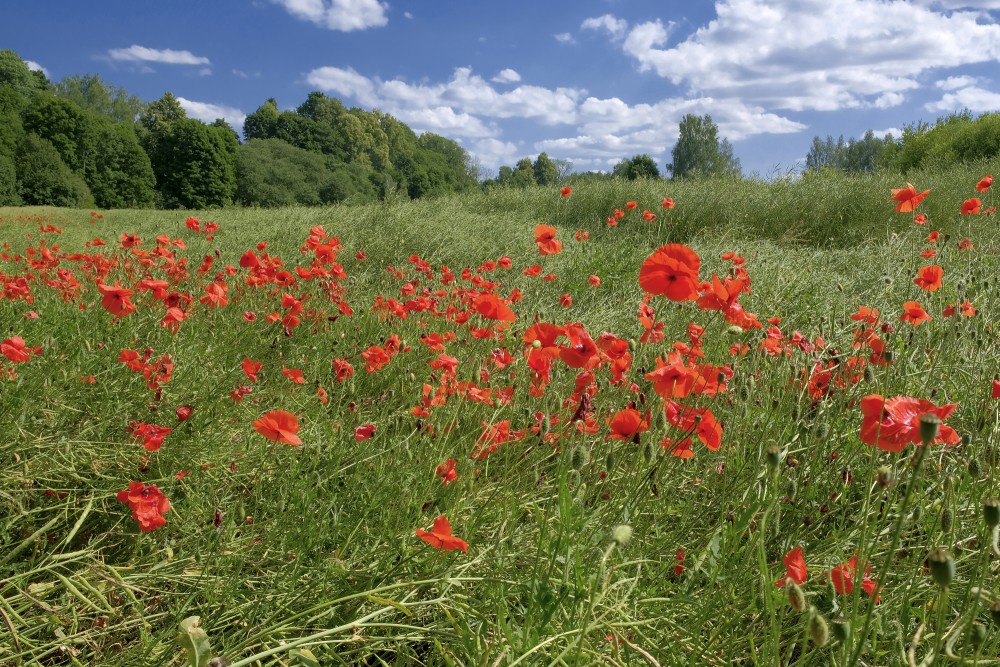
(581, 457)
(942, 566)
(536, 344)
(609, 461)
(841, 629)
(888, 356)
(819, 632)
(884, 476)
(973, 468)
(947, 520)
(966, 439)
(773, 456)
(948, 484)
(734, 330)
(977, 635)
(796, 598)
(791, 489)
(991, 512)
(650, 451)
(622, 534)
(930, 426)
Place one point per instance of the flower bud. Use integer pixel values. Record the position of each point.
(974, 469)
(573, 479)
(991, 511)
(841, 629)
(884, 476)
(773, 456)
(819, 632)
(536, 343)
(581, 457)
(796, 598)
(942, 565)
(930, 426)
(621, 534)
(947, 520)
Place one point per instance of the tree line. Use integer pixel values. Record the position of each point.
(82, 142)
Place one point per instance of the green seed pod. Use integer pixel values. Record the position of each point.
(650, 451)
(975, 472)
(796, 598)
(947, 520)
(841, 629)
(661, 420)
(734, 330)
(581, 457)
(942, 565)
(966, 439)
(791, 488)
(621, 534)
(991, 512)
(977, 635)
(536, 343)
(773, 456)
(609, 461)
(930, 426)
(819, 632)
(948, 484)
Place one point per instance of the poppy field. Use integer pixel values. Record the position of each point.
(653, 423)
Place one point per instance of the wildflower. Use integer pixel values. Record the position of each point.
(566, 192)
(914, 314)
(148, 505)
(929, 278)
(364, 432)
(984, 183)
(280, 426)
(891, 424)
(545, 238)
(908, 198)
(971, 206)
(672, 271)
(795, 568)
(440, 536)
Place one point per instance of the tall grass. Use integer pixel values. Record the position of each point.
(279, 549)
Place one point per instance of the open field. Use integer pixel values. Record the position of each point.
(628, 498)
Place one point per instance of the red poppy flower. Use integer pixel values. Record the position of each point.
(545, 238)
(280, 426)
(631, 205)
(679, 559)
(671, 271)
(440, 536)
(920, 219)
(996, 389)
(929, 278)
(364, 432)
(148, 505)
(184, 413)
(971, 206)
(446, 471)
(795, 568)
(668, 202)
(115, 299)
(594, 281)
(648, 216)
(251, 368)
(14, 349)
(984, 183)
(842, 577)
(152, 436)
(933, 237)
(696, 421)
(627, 424)
(908, 198)
(914, 314)
(342, 369)
(891, 424)
(492, 307)
(566, 192)
(566, 300)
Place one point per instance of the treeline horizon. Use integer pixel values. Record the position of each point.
(85, 143)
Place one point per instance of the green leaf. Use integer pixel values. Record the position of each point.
(194, 640)
(302, 657)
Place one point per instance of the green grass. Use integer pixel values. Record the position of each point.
(330, 561)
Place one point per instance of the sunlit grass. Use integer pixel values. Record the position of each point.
(271, 544)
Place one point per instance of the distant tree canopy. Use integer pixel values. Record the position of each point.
(852, 156)
(699, 152)
(543, 171)
(637, 167)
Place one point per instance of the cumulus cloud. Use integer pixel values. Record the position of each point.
(506, 76)
(32, 65)
(613, 25)
(815, 54)
(343, 15)
(208, 113)
(973, 98)
(955, 82)
(136, 53)
(344, 82)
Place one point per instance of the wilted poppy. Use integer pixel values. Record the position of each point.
(280, 426)
(440, 536)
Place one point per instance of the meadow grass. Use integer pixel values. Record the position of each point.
(293, 554)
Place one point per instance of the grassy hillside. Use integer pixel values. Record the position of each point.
(602, 523)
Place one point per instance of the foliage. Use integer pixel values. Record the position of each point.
(636, 167)
(93, 94)
(43, 178)
(951, 139)
(14, 74)
(8, 181)
(852, 156)
(699, 152)
(193, 164)
(270, 172)
(120, 175)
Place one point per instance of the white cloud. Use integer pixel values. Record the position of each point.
(35, 67)
(888, 100)
(615, 26)
(205, 71)
(493, 153)
(815, 54)
(136, 53)
(882, 134)
(507, 76)
(344, 82)
(563, 38)
(975, 99)
(246, 75)
(955, 82)
(408, 15)
(208, 113)
(343, 15)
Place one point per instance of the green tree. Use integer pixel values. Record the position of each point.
(262, 123)
(636, 167)
(271, 172)
(546, 171)
(699, 151)
(92, 94)
(68, 127)
(524, 174)
(193, 165)
(14, 73)
(120, 176)
(44, 179)
(8, 181)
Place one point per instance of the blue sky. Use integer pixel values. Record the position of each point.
(590, 81)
